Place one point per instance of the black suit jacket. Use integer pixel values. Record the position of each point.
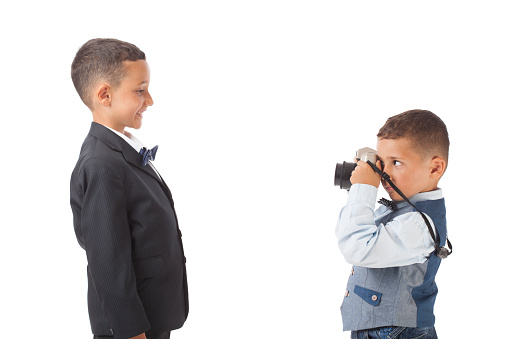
(124, 218)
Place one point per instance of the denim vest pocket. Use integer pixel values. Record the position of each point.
(369, 296)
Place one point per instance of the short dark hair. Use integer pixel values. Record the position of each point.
(101, 59)
(425, 130)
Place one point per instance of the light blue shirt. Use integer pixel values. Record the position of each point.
(365, 241)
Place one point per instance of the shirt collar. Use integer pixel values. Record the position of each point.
(129, 138)
(431, 195)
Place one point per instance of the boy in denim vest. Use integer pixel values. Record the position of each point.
(391, 290)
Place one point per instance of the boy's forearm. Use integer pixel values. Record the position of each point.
(356, 224)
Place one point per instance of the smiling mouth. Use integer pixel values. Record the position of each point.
(140, 113)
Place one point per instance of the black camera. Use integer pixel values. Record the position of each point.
(344, 170)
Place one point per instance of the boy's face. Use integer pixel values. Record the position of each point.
(131, 97)
(408, 170)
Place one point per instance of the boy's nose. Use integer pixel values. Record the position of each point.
(149, 100)
(386, 170)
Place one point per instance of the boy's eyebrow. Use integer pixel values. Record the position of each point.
(391, 158)
(142, 83)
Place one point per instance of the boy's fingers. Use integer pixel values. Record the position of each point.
(363, 164)
(359, 164)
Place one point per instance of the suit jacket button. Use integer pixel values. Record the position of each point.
(111, 331)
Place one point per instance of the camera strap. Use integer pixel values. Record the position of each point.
(442, 252)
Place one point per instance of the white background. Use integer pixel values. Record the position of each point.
(255, 102)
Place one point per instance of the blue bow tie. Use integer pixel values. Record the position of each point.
(148, 154)
(388, 203)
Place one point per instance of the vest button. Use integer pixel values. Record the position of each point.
(374, 298)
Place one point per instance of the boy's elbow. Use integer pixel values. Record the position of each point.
(354, 254)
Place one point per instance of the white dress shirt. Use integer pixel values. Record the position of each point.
(135, 143)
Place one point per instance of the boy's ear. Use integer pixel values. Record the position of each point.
(437, 167)
(103, 94)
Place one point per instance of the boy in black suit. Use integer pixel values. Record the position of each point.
(123, 211)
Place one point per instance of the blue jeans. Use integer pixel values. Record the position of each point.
(396, 333)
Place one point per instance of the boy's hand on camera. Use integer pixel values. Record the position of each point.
(364, 174)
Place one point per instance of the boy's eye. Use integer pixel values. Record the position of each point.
(140, 91)
(397, 163)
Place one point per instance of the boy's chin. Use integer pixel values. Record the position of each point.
(395, 196)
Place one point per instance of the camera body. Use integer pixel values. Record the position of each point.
(344, 170)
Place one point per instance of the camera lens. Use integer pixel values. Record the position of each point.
(343, 174)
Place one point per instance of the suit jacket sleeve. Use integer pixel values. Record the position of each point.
(107, 241)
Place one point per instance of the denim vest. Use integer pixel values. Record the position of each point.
(396, 296)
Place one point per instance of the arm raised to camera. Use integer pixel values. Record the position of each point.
(364, 241)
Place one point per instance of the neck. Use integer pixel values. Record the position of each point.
(101, 119)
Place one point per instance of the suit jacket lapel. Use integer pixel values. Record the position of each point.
(119, 145)
(135, 159)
